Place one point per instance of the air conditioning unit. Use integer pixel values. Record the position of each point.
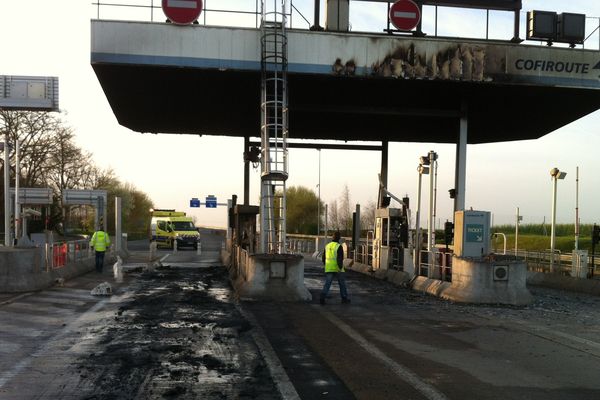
(500, 272)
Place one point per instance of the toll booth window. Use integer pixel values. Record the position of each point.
(162, 225)
(384, 231)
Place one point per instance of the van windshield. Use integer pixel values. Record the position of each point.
(183, 226)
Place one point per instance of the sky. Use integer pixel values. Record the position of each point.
(52, 38)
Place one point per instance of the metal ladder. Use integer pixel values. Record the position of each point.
(274, 126)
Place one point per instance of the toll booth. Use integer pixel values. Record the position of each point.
(391, 237)
(244, 227)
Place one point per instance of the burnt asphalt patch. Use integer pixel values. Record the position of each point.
(180, 336)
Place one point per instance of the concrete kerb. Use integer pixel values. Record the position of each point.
(397, 277)
(556, 281)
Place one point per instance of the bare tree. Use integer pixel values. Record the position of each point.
(367, 216)
(333, 219)
(36, 134)
(344, 211)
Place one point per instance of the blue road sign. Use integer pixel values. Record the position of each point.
(211, 202)
(194, 202)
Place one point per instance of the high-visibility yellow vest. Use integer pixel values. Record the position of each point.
(331, 251)
(100, 241)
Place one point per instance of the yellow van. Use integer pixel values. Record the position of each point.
(169, 225)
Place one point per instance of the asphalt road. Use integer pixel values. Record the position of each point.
(177, 332)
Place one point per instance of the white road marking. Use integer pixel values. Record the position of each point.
(400, 370)
(284, 385)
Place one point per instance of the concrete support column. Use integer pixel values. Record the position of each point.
(246, 172)
(118, 228)
(461, 161)
(384, 170)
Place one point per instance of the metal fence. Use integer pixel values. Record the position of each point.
(246, 13)
(214, 12)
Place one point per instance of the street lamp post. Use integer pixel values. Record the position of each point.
(556, 175)
(319, 201)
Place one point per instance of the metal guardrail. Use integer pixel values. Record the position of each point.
(214, 12)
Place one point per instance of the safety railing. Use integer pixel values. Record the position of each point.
(427, 264)
(397, 261)
(361, 254)
(59, 254)
(214, 12)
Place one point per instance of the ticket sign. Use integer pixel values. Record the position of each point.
(474, 233)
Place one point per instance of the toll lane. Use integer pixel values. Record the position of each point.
(391, 343)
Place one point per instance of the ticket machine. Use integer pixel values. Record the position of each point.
(391, 236)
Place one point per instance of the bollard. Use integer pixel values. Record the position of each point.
(118, 270)
(174, 245)
(199, 248)
(153, 246)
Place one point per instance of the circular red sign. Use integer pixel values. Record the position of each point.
(405, 15)
(182, 12)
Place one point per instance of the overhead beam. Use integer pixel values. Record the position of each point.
(399, 112)
(328, 146)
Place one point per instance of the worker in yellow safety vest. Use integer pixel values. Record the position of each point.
(333, 258)
(100, 242)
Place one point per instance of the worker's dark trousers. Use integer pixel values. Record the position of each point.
(341, 278)
(99, 261)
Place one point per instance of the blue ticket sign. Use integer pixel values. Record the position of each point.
(194, 202)
(474, 233)
(211, 202)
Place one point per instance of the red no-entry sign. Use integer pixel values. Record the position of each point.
(182, 12)
(405, 15)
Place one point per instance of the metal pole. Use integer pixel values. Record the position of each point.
(6, 192)
(577, 208)
(430, 222)
(517, 234)
(417, 256)
(319, 201)
(118, 232)
(17, 205)
(326, 225)
(434, 166)
(247, 172)
(552, 244)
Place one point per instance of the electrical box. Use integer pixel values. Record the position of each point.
(338, 15)
(472, 233)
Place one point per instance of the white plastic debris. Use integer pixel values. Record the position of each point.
(118, 270)
(103, 289)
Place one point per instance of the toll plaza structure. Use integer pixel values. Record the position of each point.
(278, 79)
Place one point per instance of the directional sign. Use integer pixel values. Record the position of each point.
(405, 15)
(211, 201)
(194, 202)
(182, 12)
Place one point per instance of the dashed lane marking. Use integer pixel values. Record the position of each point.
(400, 370)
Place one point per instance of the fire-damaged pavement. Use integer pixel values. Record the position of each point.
(177, 332)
